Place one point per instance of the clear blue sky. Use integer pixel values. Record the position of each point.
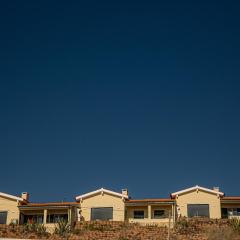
(115, 94)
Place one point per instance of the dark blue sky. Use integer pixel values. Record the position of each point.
(137, 94)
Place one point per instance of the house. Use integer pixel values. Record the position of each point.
(102, 204)
(108, 205)
(196, 201)
(9, 211)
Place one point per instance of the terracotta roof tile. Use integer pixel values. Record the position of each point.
(149, 200)
(50, 204)
(231, 198)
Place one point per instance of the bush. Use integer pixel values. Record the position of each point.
(62, 228)
(235, 224)
(182, 225)
(37, 228)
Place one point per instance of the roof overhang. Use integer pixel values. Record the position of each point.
(230, 200)
(101, 191)
(10, 196)
(196, 188)
(146, 202)
(57, 205)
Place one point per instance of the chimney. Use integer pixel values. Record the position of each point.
(125, 192)
(25, 196)
(217, 189)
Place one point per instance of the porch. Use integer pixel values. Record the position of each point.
(150, 212)
(48, 214)
(230, 207)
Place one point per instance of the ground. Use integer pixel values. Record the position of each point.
(197, 229)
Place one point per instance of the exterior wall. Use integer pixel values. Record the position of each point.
(199, 197)
(10, 206)
(103, 200)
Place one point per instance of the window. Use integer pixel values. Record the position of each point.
(159, 214)
(54, 218)
(33, 218)
(198, 210)
(138, 214)
(224, 212)
(105, 213)
(3, 217)
(234, 211)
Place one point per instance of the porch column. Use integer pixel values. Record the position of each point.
(173, 213)
(69, 215)
(149, 211)
(44, 216)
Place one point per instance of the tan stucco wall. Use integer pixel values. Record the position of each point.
(199, 197)
(11, 206)
(105, 200)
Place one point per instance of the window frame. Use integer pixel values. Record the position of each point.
(138, 216)
(6, 216)
(195, 205)
(101, 219)
(159, 216)
(57, 217)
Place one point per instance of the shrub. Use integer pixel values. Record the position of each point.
(37, 228)
(95, 226)
(182, 225)
(235, 224)
(62, 228)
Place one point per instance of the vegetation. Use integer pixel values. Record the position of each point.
(185, 229)
(182, 225)
(217, 233)
(37, 228)
(235, 224)
(63, 228)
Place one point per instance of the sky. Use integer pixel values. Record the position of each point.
(132, 94)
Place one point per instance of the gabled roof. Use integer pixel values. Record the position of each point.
(101, 190)
(10, 196)
(173, 195)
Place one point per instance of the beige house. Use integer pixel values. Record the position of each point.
(104, 204)
(198, 201)
(9, 211)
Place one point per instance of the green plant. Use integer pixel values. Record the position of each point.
(235, 224)
(37, 228)
(62, 228)
(40, 229)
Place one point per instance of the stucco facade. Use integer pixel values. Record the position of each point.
(103, 200)
(199, 197)
(11, 207)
